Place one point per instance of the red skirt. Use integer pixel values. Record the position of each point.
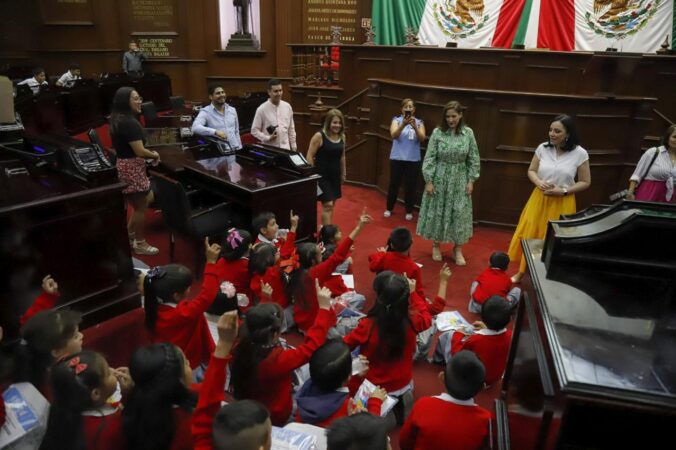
(132, 172)
(653, 191)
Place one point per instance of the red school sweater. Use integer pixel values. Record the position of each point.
(184, 324)
(437, 423)
(210, 398)
(491, 281)
(43, 302)
(273, 277)
(490, 347)
(388, 374)
(237, 273)
(399, 263)
(103, 429)
(273, 376)
(305, 317)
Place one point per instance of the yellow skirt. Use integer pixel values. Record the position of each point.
(539, 210)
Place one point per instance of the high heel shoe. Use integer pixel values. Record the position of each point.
(436, 253)
(459, 259)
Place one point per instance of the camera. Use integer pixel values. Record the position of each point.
(271, 129)
(407, 114)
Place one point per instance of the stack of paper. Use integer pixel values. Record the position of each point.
(453, 320)
(365, 391)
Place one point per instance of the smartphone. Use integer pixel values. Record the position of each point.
(271, 129)
(407, 114)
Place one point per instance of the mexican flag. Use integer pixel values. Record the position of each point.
(588, 25)
(471, 23)
(626, 25)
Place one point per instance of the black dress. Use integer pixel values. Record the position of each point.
(327, 163)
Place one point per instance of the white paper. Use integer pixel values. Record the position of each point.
(348, 279)
(365, 391)
(453, 320)
(287, 439)
(26, 419)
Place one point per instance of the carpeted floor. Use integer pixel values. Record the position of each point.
(485, 241)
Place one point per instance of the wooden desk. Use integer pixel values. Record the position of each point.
(253, 188)
(53, 224)
(592, 362)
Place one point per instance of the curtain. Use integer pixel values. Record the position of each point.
(391, 18)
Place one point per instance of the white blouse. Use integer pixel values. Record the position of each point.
(559, 171)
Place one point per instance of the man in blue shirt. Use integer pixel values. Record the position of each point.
(218, 119)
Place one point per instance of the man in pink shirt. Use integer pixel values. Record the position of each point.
(273, 122)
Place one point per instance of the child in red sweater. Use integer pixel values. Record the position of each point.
(387, 337)
(329, 237)
(172, 318)
(79, 416)
(262, 368)
(48, 336)
(160, 400)
(324, 397)
(490, 342)
(451, 420)
(269, 278)
(311, 268)
(265, 224)
(395, 257)
(244, 424)
(233, 268)
(493, 281)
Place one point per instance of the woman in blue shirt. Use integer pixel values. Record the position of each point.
(407, 133)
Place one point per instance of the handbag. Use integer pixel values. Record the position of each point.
(623, 193)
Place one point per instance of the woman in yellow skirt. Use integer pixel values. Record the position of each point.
(553, 169)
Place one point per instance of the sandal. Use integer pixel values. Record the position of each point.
(143, 248)
(436, 253)
(459, 259)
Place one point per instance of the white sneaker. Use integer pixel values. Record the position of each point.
(387, 213)
(409, 216)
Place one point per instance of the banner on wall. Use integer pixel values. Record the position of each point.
(588, 25)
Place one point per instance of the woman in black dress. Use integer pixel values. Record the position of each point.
(327, 154)
(128, 140)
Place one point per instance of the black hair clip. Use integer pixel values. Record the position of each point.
(156, 273)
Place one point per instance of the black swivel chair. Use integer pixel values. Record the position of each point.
(177, 103)
(96, 140)
(154, 120)
(191, 221)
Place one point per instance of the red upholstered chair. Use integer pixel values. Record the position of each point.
(330, 64)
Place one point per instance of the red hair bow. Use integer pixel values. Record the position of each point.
(77, 366)
(291, 264)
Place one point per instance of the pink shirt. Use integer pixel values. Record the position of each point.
(280, 115)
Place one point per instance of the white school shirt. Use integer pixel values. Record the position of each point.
(562, 171)
(67, 79)
(33, 84)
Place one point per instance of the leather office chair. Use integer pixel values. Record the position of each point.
(177, 102)
(191, 221)
(96, 140)
(149, 111)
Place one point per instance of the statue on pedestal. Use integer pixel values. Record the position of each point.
(242, 10)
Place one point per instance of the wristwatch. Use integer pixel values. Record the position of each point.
(565, 191)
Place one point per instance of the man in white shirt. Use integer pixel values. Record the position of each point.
(273, 122)
(39, 79)
(69, 78)
(218, 119)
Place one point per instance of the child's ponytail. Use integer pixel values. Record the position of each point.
(263, 321)
(160, 285)
(236, 244)
(295, 288)
(390, 312)
(72, 382)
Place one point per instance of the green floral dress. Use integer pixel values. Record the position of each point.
(451, 161)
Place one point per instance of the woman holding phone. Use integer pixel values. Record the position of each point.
(407, 133)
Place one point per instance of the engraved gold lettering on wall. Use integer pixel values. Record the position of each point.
(321, 15)
(148, 15)
(157, 47)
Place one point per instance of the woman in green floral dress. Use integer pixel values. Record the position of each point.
(450, 168)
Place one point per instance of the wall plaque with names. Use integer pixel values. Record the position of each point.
(158, 47)
(320, 15)
(153, 16)
(67, 12)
